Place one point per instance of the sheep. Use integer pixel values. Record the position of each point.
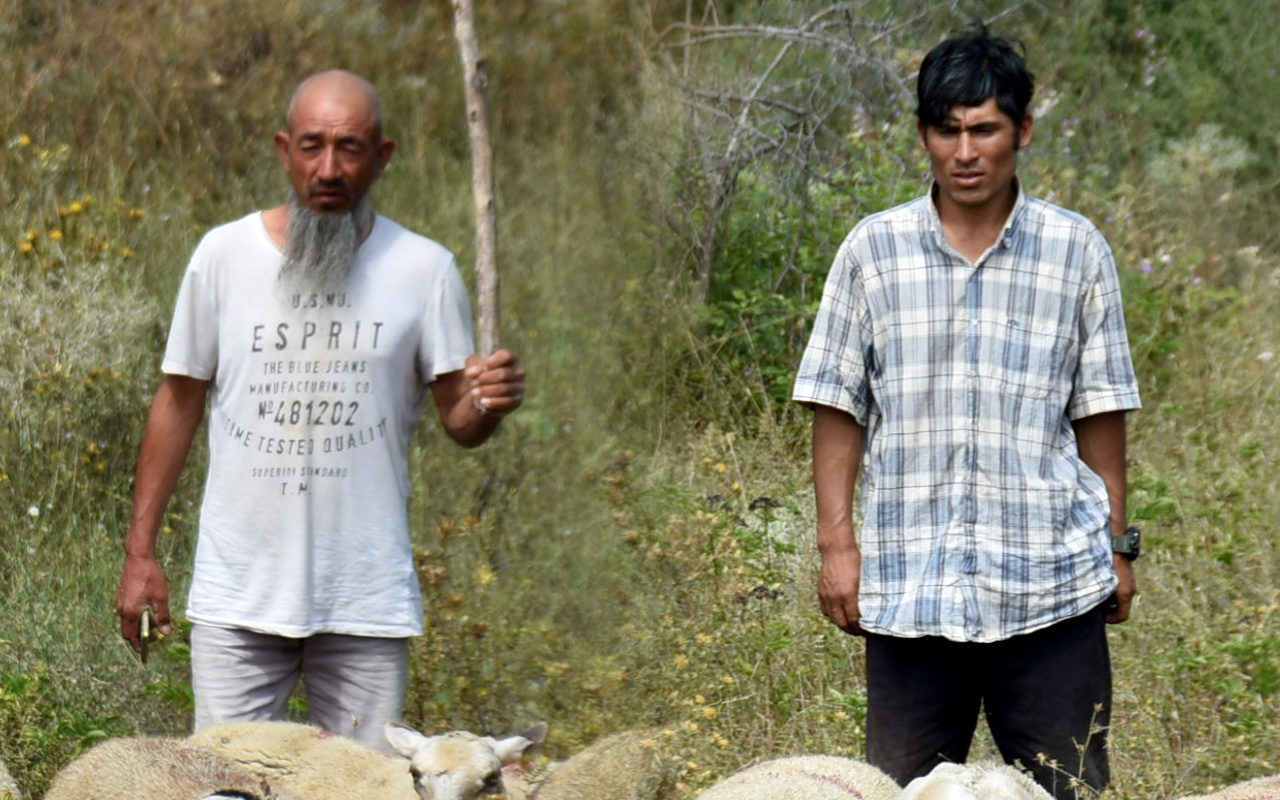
(151, 768)
(980, 781)
(1267, 788)
(459, 765)
(8, 788)
(631, 765)
(806, 778)
(307, 761)
(287, 761)
(317, 765)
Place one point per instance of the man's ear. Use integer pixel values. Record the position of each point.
(924, 133)
(1025, 130)
(282, 145)
(386, 149)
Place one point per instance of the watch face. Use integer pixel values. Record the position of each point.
(1129, 543)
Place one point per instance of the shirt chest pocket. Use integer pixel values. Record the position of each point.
(1028, 360)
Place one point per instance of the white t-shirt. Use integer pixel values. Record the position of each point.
(313, 401)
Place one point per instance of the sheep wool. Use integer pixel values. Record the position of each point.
(156, 769)
(8, 787)
(980, 781)
(631, 765)
(309, 762)
(807, 778)
(1267, 788)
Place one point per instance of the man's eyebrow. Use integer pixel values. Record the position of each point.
(316, 136)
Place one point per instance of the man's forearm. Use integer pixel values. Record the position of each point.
(175, 416)
(837, 457)
(1100, 440)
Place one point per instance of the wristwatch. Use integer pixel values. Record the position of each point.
(1129, 543)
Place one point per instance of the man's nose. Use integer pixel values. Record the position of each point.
(328, 167)
(965, 150)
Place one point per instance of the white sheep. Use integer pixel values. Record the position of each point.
(460, 765)
(1267, 788)
(979, 781)
(632, 765)
(806, 778)
(156, 769)
(287, 761)
(317, 765)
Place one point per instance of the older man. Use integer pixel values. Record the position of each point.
(313, 330)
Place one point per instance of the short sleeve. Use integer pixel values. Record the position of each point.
(1105, 379)
(192, 347)
(834, 370)
(447, 338)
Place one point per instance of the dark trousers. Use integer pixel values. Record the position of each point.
(1046, 696)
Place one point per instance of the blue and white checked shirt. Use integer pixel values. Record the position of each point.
(979, 520)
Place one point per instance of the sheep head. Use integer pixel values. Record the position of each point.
(460, 765)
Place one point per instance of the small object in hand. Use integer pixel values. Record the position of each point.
(146, 633)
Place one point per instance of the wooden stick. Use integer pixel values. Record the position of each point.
(477, 84)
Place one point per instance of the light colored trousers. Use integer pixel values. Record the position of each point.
(354, 684)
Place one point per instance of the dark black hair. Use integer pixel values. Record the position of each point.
(968, 69)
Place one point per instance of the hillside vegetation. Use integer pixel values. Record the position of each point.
(635, 549)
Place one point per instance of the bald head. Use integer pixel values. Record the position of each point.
(337, 86)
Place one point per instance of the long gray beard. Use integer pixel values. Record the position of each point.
(321, 250)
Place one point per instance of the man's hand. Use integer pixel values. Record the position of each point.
(1122, 601)
(474, 399)
(496, 383)
(838, 589)
(143, 586)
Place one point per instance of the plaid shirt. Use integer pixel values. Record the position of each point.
(979, 519)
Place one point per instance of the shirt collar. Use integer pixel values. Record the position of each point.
(1007, 231)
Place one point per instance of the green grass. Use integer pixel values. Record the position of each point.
(636, 548)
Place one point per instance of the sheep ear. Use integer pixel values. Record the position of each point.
(511, 749)
(403, 739)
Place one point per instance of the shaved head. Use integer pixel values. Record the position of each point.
(341, 85)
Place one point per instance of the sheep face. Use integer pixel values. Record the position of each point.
(459, 765)
(974, 782)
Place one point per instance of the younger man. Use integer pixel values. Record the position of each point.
(970, 359)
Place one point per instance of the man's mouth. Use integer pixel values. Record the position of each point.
(968, 179)
(328, 195)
